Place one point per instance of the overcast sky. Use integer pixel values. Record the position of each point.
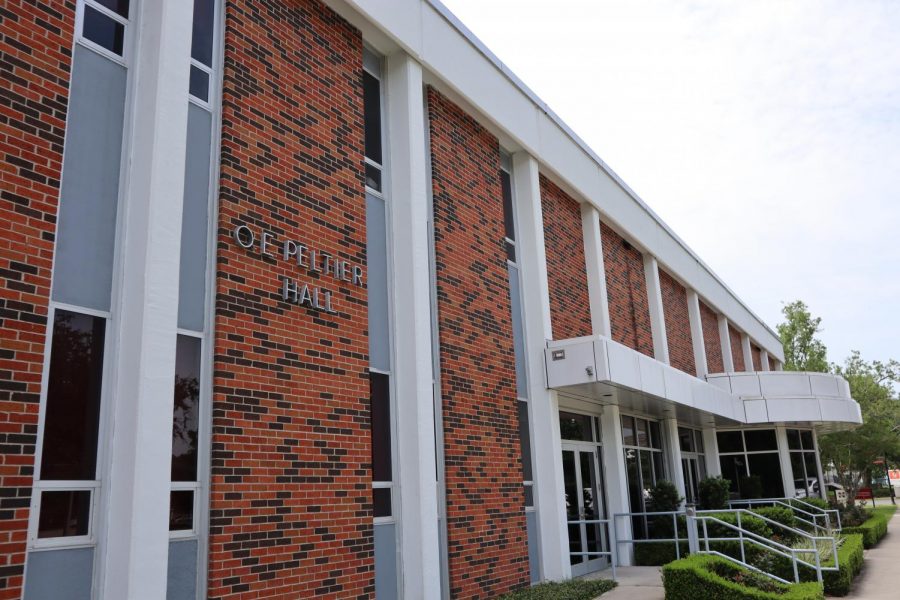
(767, 134)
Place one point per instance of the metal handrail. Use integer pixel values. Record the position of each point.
(791, 503)
(611, 553)
(674, 514)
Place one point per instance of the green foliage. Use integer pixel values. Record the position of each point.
(874, 528)
(664, 497)
(779, 514)
(656, 554)
(574, 589)
(714, 578)
(714, 493)
(837, 583)
(803, 351)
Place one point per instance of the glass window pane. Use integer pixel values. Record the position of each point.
(812, 469)
(643, 436)
(381, 502)
(509, 223)
(573, 426)
(793, 437)
(733, 467)
(635, 497)
(64, 513)
(510, 251)
(529, 495)
(686, 439)
(797, 471)
(117, 6)
(573, 509)
(699, 437)
(103, 31)
(202, 37)
(373, 177)
(372, 115)
(381, 427)
(806, 440)
(760, 439)
(186, 415)
(628, 431)
(730, 441)
(199, 84)
(181, 510)
(768, 467)
(655, 436)
(73, 397)
(659, 470)
(525, 441)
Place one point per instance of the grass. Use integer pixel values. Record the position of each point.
(574, 589)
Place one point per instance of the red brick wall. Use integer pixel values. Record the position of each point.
(757, 357)
(737, 349)
(570, 307)
(710, 320)
(678, 324)
(35, 65)
(626, 286)
(487, 546)
(291, 513)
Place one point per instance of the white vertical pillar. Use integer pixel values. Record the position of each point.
(711, 452)
(748, 352)
(784, 457)
(136, 527)
(657, 314)
(616, 477)
(546, 446)
(696, 322)
(673, 451)
(763, 360)
(413, 375)
(779, 366)
(596, 272)
(822, 491)
(725, 342)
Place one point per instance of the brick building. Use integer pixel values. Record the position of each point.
(316, 299)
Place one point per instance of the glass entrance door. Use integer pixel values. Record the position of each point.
(584, 503)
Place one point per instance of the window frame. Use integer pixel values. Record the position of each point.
(125, 58)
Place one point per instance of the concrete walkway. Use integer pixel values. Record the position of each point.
(635, 583)
(878, 580)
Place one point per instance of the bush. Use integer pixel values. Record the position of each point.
(664, 497)
(874, 528)
(574, 589)
(779, 514)
(714, 578)
(657, 554)
(817, 502)
(837, 583)
(714, 493)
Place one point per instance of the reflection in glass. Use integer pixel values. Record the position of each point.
(525, 440)
(643, 436)
(198, 86)
(381, 427)
(730, 441)
(372, 116)
(768, 467)
(64, 513)
(628, 431)
(570, 487)
(117, 6)
(103, 31)
(202, 37)
(760, 439)
(181, 510)
(381, 500)
(573, 426)
(186, 414)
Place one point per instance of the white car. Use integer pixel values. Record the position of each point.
(809, 489)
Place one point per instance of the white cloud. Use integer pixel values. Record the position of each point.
(767, 134)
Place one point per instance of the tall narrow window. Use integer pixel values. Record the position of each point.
(644, 465)
(103, 25)
(202, 39)
(804, 466)
(185, 430)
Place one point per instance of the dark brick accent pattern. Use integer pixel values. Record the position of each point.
(626, 287)
(737, 350)
(35, 67)
(711, 340)
(678, 324)
(291, 506)
(757, 357)
(570, 306)
(487, 545)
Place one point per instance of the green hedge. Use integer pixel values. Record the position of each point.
(875, 527)
(573, 589)
(691, 578)
(656, 554)
(837, 583)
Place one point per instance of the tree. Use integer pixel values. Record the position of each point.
(802, 350)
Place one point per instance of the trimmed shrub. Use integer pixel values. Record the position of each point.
(779, 514)
(701, 576)
(714, 493)
(657, 554)
(874, 528)
(574, 589)
(837, 583)
(817, 502)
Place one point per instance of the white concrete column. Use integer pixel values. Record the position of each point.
(657, 314)
(696, 321)
(135, 528)
(748, 352)
(784, 457)
(822, 493)
(763, 360)
(725, 342)
(413, 375)
(673, 451)
(779, 366)
(596, 272)
(616, 477)
(711, 452)
(543, 414)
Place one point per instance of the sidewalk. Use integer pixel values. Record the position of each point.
(878, 580)
(635, 583)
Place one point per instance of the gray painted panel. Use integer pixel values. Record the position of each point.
(195, 220)
(55, 574)
(386, 561)
(376, 278)
(90, 182)
(515, 296)
(531, 531)
(182, 582)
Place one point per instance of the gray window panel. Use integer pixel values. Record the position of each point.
(518, 332)
(195, 221)
(90, 182)
(533, 558)
(182, 576)
(386, 561)
(55, 574)
(376, 253)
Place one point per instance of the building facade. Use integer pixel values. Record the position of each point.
(316, 299)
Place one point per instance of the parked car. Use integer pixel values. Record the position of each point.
(806, 489)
